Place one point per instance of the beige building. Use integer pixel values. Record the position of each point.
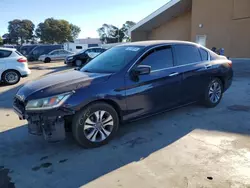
(212, 23)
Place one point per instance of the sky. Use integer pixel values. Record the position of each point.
(89, 15)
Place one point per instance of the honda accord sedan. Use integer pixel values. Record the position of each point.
(125, 83)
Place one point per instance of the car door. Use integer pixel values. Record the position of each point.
(192, 67)
(156, 91)
(55, 55)
(4, 54)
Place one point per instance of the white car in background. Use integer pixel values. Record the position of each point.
(55, 55)
(13, 66)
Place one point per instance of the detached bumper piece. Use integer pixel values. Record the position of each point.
(52, 128)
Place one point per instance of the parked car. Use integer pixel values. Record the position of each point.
(26, 49)
(55, 55)
(125, 83)
(13, 66)
(42, 49)
(81, 58)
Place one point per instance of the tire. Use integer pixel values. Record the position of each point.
(47, 60)
(215, 86)
(11, 77)
(78, 63)
(86, 129)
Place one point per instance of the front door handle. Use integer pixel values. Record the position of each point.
(174, 74)
(208, 66)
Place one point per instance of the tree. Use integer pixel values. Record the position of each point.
(75, 30)
(111, 34)
(125, 29)
(56, 31)
(1, 41)
(6, 38)
(20, 31)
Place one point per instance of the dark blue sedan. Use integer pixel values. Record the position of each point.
(124, 83)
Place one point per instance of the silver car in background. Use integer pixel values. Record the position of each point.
(55, 55)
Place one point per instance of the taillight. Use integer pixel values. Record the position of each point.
(22, 60)
(230, 64)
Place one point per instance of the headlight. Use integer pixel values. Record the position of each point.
(48, 103)
(70, 58)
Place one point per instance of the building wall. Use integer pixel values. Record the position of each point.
(139, 36)
(226, 23)
(178, 28)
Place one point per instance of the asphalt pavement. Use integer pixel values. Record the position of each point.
(189, 147)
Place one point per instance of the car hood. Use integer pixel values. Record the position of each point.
(59, 83)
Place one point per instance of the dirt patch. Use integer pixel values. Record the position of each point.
(239, 108)
(43, 165)
(44, 158)
(63, 160)
(136, 141)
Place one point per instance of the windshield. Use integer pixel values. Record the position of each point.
(81, 51)
(112, 60)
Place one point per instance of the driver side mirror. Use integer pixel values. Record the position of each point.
(142, 70)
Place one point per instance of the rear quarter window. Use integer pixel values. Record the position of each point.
(18, 53)
(204, 54)
(186, 54)
(5, 53)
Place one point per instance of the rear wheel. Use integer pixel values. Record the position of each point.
(47, 60)
(95, 125)
(213, 93)
(11, 77)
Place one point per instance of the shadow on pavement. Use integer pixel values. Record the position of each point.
(65, 164)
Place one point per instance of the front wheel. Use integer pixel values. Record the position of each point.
(213, 93)
(95, 125)
(78, 63)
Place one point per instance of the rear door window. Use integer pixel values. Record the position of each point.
(54, 52)
(187, 54)
(158, 58)
(5, 53)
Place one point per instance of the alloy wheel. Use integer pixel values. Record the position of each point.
(98, 126)
(215, 92)
(11, 77)
(78, 63)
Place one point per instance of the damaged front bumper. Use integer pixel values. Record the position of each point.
(49, 123)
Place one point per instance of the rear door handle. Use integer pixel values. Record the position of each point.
(208, 66)
(174, 74)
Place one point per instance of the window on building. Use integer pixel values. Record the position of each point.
(159, 58)
(78, 47)
(187, 54)
(5, 53)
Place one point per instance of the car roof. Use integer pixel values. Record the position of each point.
(94, 48)
(156, 42)
(8, 49)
